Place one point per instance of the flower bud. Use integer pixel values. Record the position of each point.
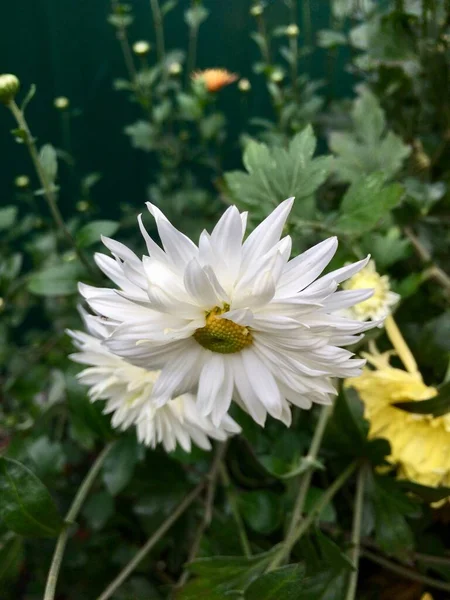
(292, 30)
(141, 48)
(9, 86)
(22, 182)
(61, 103)
(175, 68)
(244, 85)
(256, 10)
(82, 206)
(277, 76)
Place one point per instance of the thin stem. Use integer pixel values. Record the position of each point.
(403, 352)
(192, 49)
(306, 18)
(71, 516)
(318, 507)
(159, 29)
(305, 478)
(235, 510)
(356, 534)
(208, 510)
(293, 42)
(47, 186)
(436, 272)
(154, 539)
(405, 571)
(265, 49)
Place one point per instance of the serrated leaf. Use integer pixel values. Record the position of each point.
(276, 173)
(391, 506)
(142, 135)
(49, 162)
(220, 577)
(437, 406)
(366, 202)
(369, 147)
(26, 506)
(91, 233)
(283, 583)
(59, 280)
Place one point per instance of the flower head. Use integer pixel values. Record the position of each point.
(215, 79)
(61, 103)
(244, 85)
(9, 86)
(127, 390)
(379, 305)
(420, 444)
(141, 48)
(231, 319)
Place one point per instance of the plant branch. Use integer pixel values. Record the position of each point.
(46, 185)
(318, 507)
(159, 29)
(405, 571)
(208, 510)
(69, 520)
(235, 510)
(134, 562)
(305, 479)
(423, 253)
(356, 534)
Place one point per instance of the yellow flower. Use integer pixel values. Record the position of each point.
(420, 444)
(215, 79)
(378, 306)
(426, 596)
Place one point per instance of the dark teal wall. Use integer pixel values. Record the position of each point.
(67, 48)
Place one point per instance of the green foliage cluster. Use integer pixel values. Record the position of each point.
(379, 182)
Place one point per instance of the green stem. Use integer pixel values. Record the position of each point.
(154, 539)
(293, 42)
(356, 534)
(71, 516)
(405, 571)
(208, 510)
(318, 507)
(47, 186)
(305, 478)
(159, 29)
(235, 510)
(192, 49)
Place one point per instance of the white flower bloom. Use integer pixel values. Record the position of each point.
(232, 319)
(127, 390)
(379, 305)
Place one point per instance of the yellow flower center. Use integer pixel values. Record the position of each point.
(366, 279)
(222, 335)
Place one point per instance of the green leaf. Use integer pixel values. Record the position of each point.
(368, 148)
(8, 216)
(26, 506)
(261, 510)
(142, 135)
(389, 248)
(224, 577)
(119, 466)
(49, 162)
(47, 456)
(190, 107)
(59, 280)
(276, 173)
(11, 556)
(283, 583)
(328, 513)
(391, 506)
(91, 233)
(366, 202)
(98, 509)
(428, 494)
(332, 554)
(437, 406)
(327, 38)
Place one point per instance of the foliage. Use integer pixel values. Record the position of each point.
(372, 169)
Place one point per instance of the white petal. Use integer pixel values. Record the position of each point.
(199, 286)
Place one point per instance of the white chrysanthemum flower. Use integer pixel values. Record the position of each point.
(232, 319)
(127, 390)
(380, 304)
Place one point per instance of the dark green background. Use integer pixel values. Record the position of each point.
(66, 47)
